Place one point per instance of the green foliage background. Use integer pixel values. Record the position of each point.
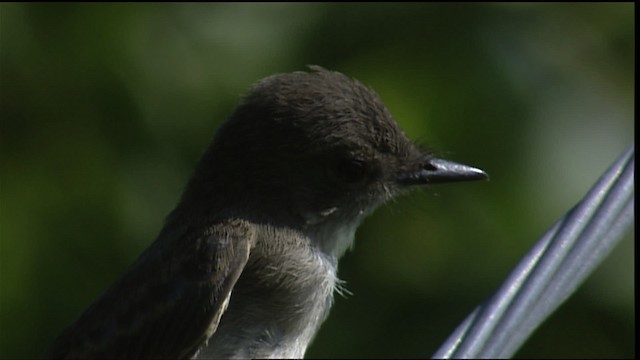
(105, 109)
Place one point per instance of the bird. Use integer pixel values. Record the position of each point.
(245, 265)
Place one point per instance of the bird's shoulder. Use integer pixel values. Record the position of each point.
(170, 300)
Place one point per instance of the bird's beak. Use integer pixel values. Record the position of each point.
(436, 171)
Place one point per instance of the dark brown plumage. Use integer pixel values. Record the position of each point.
(245, 265)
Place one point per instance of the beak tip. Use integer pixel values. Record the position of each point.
(478, 174)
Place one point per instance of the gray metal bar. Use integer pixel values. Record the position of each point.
(551, 271)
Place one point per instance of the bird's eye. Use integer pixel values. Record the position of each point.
(352, 170)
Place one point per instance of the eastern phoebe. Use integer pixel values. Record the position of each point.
(245, 265)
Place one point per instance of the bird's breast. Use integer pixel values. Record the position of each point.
(281, 298)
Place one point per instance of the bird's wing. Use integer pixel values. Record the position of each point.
(168, 304)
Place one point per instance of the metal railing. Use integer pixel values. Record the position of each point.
(552, 270)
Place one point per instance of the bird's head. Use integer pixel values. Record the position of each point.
(315, 147)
